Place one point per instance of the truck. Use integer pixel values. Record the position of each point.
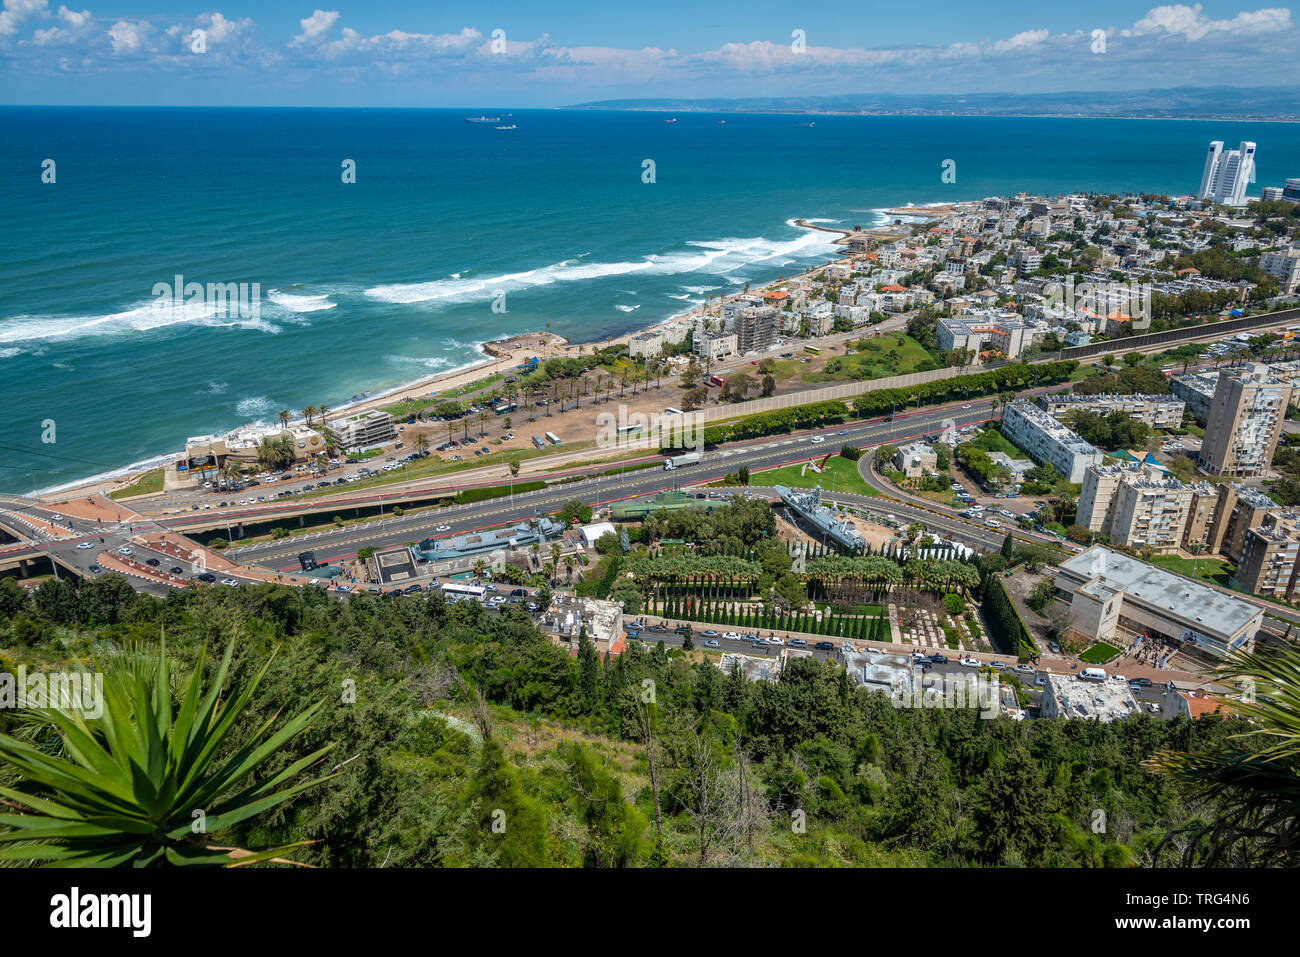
(677, 461)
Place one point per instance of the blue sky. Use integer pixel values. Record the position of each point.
(128, 52)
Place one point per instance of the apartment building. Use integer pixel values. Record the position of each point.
(1157, 411)
(1284, 266)
(1047, 441)
(1136, 506)
(714, 346)
(362, 430)
(756, 328)
(1008, 336)
(1270, 557)
(1196, 390)
(1244, 421)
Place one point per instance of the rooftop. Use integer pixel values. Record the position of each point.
(1107, 573)
(1092, 700)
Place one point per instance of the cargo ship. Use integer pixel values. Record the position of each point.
(482, 119)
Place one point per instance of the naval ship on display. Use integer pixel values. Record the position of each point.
(808, 506)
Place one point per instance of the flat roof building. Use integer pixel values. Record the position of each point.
(568, 615)
(1157, 411)
(1069, 696)
(363, 429)
(1114, 598)
(1048, 441)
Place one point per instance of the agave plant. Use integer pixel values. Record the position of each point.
(1252, 781)
(139, 786)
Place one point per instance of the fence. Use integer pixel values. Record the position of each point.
(1209, 329)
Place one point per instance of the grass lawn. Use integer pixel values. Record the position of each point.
(841, 475)
(149, 482)
(1100, 653)
(991, 440)
(889, 355)
(1209, 569)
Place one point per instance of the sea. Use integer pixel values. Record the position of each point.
(376, 247)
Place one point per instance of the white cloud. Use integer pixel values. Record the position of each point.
(316, 26)
(16, 12)
(1188, 21)
(126, 37)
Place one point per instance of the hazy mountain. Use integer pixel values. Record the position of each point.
(1242, 103)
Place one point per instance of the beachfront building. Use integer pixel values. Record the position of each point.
(1137, 506)
(651, 343)
(240, 447)
(1157, 411)
(1047, 441)
(1116, 598)
(714, 346)
(756, 328)
(1244, 421)
(915, 460)
(362, 430)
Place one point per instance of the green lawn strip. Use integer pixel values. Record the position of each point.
(146, 484)
(841, 475)
(1100, 653)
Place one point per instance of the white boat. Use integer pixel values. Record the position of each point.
(673, 120)
(482, 119)
(510, 127)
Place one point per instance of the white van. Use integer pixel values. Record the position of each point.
(1092, 674)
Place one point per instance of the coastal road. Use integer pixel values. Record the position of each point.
(332, 544)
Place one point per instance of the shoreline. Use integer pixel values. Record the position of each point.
(499, 356)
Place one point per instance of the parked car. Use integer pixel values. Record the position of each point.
(937, 660)
(710, 633)
(1024, 669)
(86, 545)
(95, 569)
(798, 643)
(712, 643)
(824, 646)
(969, 663)
(153, 563)
(175, 570)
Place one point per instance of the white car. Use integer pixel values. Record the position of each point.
(992, 523)
(965, 406)
(314, 581)
(1024, 669)
(1040, 680)
(969, 663)
(731, 635)
(775, 641)
(443, 528)
(817, 439)
(229, 581)
(86, 545)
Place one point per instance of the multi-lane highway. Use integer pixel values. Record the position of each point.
(331, 544)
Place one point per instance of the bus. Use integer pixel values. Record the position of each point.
(712, 379)
(671, 411)
(537, 441)
(464, 591)
(812, 350)
(502, 408)
(552, 438)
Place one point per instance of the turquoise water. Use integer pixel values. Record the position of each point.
(368, 285)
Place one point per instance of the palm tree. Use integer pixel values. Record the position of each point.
(421, 442)
(1250, 781)
(308, 412)
(284, 416)
(482, 420)
(322, 411)
(555, 553)
(568, 564)
(479, 566)
(122, 791)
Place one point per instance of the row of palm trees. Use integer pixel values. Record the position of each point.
(309, 413)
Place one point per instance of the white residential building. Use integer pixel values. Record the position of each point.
(1227, 173)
